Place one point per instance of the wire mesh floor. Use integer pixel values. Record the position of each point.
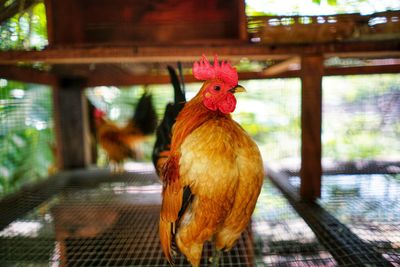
(369, 205)
(115, 223)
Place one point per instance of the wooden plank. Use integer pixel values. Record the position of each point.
(292, 63)
(173, 53)
(311, 120)
(65, 26)
(136, 54)
(129, 79)
(345, 246)
(27, 75)
(71, 124)
(124, 21)
(325, 28)
(242, 20)
(362, 70)
(49, 21)
(351, 167)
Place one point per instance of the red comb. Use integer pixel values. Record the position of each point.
(203, 71)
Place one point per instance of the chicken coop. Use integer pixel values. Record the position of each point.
(322, 104)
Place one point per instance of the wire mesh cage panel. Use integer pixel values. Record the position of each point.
(281, 236)
(114, 222)
(360, 135)
(361, 118)
(26, 134)
(370, 206)
(270, 113)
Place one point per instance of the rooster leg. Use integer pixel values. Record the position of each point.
(216, 255)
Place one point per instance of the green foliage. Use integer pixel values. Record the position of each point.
(317, 7)
(25, 134)
(330, 2)
(25, 31)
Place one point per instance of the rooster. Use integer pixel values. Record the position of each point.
(214, 172)
(120, 142)
(163, 133)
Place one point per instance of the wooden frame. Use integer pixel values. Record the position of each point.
(145, 22)
(311, 122)
(173, 53)
(71, 123)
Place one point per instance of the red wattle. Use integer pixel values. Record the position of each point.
(228, 104)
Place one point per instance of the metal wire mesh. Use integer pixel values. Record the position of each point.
(115, 222)
(361, 118)
(282, 237)
(369, 206)
(25, 134)
(270, 113)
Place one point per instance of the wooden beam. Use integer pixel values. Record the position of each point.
(61, 28)
(362, 70)
(173, 53)
(311, 119)
(130, 79)
(134, 54)
(351, 167)
(292, 63)
(71, 124)
(242, 19)
(27, 75)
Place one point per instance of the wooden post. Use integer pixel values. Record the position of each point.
(311, 119)
(71, 123)
(92, 133)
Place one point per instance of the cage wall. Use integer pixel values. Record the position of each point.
(361, 155)
(26, 134)
(361, 117)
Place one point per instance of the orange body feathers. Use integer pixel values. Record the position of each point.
(217, 162)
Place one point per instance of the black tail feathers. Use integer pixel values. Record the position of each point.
(163, 134)
(145, 117)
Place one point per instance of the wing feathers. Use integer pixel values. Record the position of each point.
(171, 204)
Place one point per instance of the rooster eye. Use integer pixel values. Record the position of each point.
(217, 88)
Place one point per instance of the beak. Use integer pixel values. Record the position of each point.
(237, 89)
